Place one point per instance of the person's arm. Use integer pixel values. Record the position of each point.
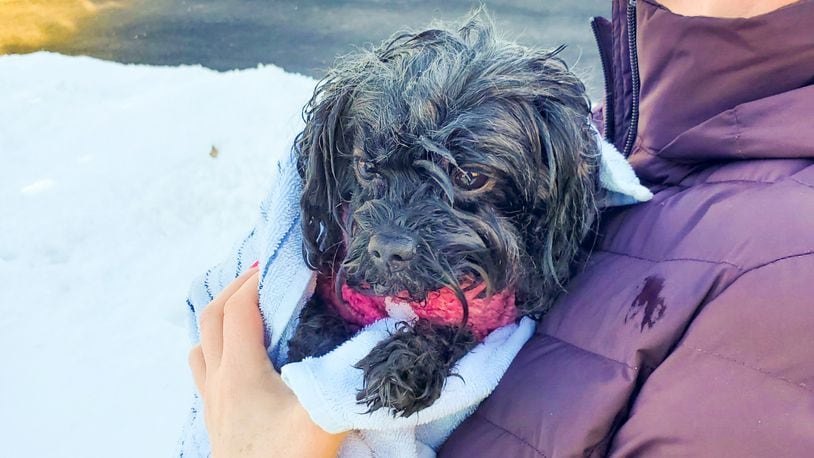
(249, 411)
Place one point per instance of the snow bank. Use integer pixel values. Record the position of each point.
(110, 203)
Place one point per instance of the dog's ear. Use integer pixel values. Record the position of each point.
(324, 156)
(565, 207)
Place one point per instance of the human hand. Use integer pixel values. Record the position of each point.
(249, 411)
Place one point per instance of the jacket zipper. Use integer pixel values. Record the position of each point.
(634, 73)
(606, 66)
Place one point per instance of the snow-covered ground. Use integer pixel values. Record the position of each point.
(110, 204)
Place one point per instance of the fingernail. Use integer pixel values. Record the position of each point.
(256, 263)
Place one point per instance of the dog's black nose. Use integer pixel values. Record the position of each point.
(391, 250)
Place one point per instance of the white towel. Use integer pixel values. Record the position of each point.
(327, 386)
(617, 178)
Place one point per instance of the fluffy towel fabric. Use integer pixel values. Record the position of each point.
(326, 386)
(617, 178)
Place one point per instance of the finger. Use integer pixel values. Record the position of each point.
(198, 366)
(243, 327)
(211, 322)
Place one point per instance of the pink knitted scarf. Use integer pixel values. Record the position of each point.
(441, 306)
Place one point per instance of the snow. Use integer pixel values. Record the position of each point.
(111, 204)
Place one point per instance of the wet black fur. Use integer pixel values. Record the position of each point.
(407, 371)
(320, 329)
(416, 109)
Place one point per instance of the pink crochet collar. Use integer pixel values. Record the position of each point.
(441, 306)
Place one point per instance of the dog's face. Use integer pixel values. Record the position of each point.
(448, 159)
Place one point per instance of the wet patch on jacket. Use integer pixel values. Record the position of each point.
(649, 303)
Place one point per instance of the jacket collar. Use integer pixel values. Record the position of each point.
(710, 88)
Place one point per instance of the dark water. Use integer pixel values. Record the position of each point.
(306, 36)
(649, 302)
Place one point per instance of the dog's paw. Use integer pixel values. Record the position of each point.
(406, 372)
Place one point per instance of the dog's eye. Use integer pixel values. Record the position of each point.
(469, 180)
(365, 169)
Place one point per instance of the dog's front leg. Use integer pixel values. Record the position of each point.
(406, 371)
(320, 329)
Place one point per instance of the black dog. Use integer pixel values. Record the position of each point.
(436, 157)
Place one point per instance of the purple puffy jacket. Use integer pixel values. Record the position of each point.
(690, 331)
